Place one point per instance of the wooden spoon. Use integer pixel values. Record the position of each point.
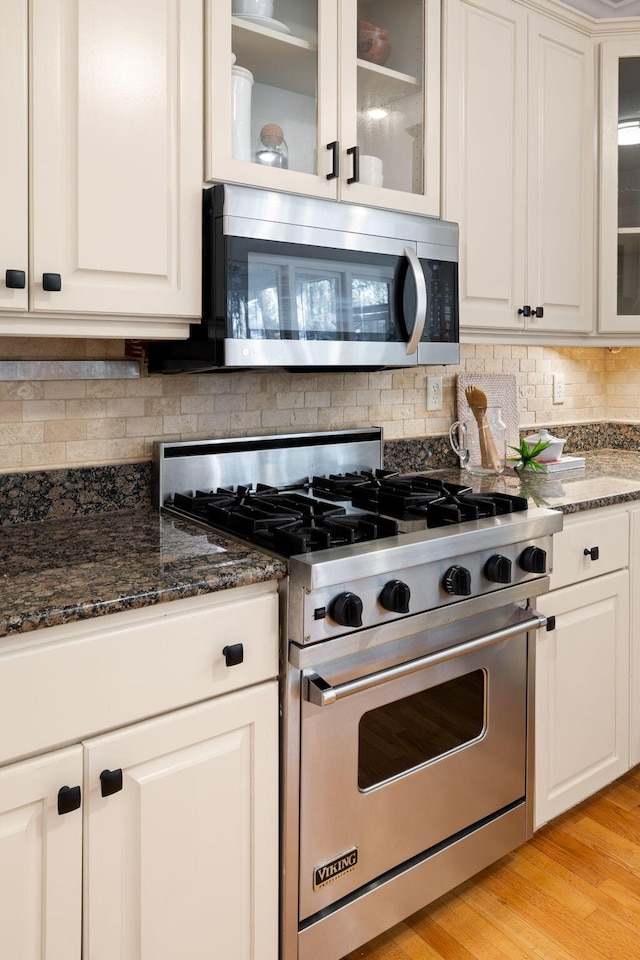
(477, 400)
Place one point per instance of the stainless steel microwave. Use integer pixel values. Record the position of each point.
(299, 282)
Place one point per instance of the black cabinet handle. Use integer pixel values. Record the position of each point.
(15, 279)
(525, 311)
(69, 799)
(52, 282)
(334, 146)
(110, 782)
(233, 654)
(538, 312)
(355, 153)
(593, 552)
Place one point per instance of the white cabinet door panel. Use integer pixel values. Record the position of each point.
(183, 861)
(117, 155)
(40, 860)
(582, 693)
(562, 180)
(14, 147)
(485, 156)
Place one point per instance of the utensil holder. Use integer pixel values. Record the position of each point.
(480, 441)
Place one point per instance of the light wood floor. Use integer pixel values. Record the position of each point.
(571, 893)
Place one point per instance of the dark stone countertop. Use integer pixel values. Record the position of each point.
(58, 571)
(608, 477)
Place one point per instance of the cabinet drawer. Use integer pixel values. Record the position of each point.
(69, 682)
(588, 547)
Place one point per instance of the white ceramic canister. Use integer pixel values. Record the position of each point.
(241, 84)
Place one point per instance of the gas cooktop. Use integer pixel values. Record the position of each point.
(339, 509)
(365, 546)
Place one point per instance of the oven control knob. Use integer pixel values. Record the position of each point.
(457, 580)
(395, 596)
(533, 560)
(346, 609)
(498, 569)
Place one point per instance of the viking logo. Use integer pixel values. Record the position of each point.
(333, 869)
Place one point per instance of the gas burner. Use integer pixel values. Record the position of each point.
(400, 495)
(341, 486)
(337, 531)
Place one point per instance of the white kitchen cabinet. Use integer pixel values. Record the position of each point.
(182, 861)
(519, 167)
(40, 859)
(619, 310)
(104, 227)
(582, 664)
(331, 105)
(174, 849)
(634, 719)
(14, 155)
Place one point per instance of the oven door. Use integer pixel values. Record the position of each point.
(402, 756)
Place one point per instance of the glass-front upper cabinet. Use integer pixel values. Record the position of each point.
(332, 98)
(390, 106)
(620, 188)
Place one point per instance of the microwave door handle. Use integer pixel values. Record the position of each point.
(322, 694)
(420, 317)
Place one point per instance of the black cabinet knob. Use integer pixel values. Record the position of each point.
(457, 580)
(593, 552)
(498, 569)
(233, 654)
(52, 282)
(395, 596)
(15, 279)
(69, 799)
(525, 311)
(346, 609)
(110, 782)
(538, 312)
(533, 560)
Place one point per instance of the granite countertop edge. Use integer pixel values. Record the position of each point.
(63, 571)
(73, 569)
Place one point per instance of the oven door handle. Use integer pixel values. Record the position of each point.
(321, 693)
(420, 317)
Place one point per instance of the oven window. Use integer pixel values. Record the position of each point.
(407, 733)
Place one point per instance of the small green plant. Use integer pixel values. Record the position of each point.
(527, 456)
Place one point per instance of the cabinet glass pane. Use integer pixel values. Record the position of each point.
(629, 186)
(278, 97)
(390, 93)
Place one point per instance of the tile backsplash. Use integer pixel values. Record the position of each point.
(70, 423)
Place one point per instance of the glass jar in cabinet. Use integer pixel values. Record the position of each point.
(350, 87)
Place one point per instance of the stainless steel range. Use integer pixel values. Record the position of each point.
(407, 668)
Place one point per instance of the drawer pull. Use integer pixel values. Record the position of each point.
(69, 799)
(233, 654)
(15, 279)
(594, 553)
(52, 282)
(110, 782)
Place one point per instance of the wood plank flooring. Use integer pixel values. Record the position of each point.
(570, 893)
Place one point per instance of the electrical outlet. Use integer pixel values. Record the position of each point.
(558, 388)
(434, 393)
